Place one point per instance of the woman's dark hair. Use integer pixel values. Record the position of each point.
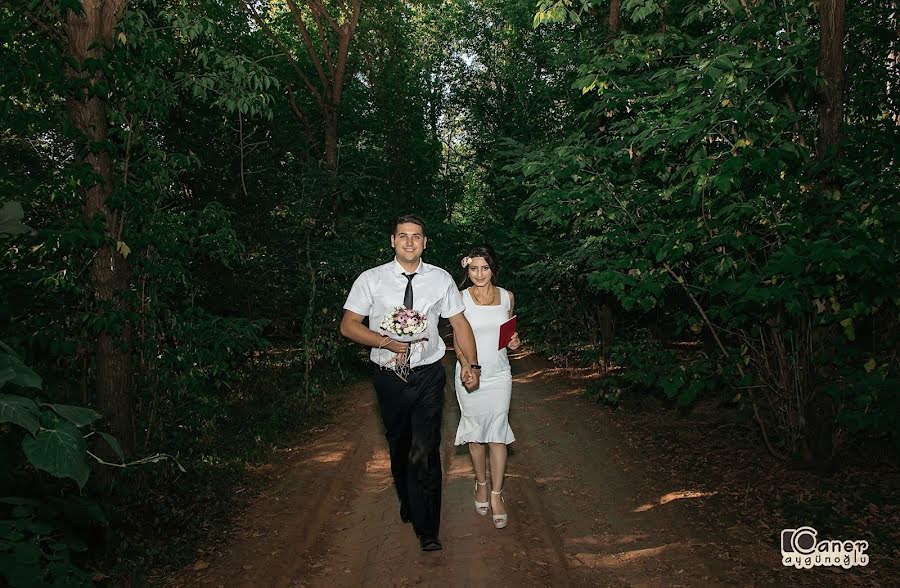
(487, 252)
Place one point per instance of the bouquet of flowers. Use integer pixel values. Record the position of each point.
(404, 324)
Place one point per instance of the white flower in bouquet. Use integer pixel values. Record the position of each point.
(404, 322)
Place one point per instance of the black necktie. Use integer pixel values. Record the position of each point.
(407, 296)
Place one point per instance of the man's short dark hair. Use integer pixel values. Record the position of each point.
(408, 218)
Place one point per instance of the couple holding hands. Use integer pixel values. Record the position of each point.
(411, 399)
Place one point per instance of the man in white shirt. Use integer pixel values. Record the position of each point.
(411, 408)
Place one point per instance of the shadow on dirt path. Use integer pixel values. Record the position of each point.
(578, 517)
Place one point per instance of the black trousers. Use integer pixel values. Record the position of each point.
(411, 412)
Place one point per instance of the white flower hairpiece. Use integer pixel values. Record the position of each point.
(465, 261)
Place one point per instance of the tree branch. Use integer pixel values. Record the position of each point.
(265, 28)
(712, 329)
(48, 6)
(307, 41)
(241, 138)
(321, 8)
(44, 27)
(343, 49)
(299, 114)
(320, 28)
(793, 110)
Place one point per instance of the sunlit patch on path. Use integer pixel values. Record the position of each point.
(333, 518)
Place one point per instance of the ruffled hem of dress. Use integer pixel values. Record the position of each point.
(493, 429)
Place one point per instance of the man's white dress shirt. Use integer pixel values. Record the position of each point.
(380, 289)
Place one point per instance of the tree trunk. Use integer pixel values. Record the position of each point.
(894, 65)
(614, 16)
(88, 36)
(820, 412)
(331, 136)
(831, 67)
(331, 161)
(329, 60)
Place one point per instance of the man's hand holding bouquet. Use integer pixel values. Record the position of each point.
(404, 325)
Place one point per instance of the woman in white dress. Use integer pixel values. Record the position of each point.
(484, 411)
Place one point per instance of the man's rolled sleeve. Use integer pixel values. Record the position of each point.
(452, 303)
(360, 299)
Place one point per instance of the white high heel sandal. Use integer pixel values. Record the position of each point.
(500, 520)
(481, 507)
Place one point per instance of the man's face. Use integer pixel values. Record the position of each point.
(408, 242)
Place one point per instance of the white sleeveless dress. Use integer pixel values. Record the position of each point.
(484, 412)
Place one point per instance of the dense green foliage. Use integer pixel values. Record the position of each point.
(654, 189)
(678, 187)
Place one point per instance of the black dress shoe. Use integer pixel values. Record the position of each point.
(404, 513)
(430, 543)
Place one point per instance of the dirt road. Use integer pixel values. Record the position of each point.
(579, 515)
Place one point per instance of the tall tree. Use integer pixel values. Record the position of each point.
(328, 58)
(831, 67)
(821, 411)
(90, 34)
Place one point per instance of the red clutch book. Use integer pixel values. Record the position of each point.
(506, 332)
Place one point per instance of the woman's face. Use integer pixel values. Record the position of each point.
(479, 271)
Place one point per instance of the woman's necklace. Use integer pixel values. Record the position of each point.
(479, 302)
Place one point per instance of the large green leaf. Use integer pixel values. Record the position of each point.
(20, 411)
(13, 370)
(77, 415)
(60, 452)
(11, 215)
(114, 444)
(6, 374)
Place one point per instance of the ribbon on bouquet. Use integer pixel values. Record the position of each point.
(401, 363)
